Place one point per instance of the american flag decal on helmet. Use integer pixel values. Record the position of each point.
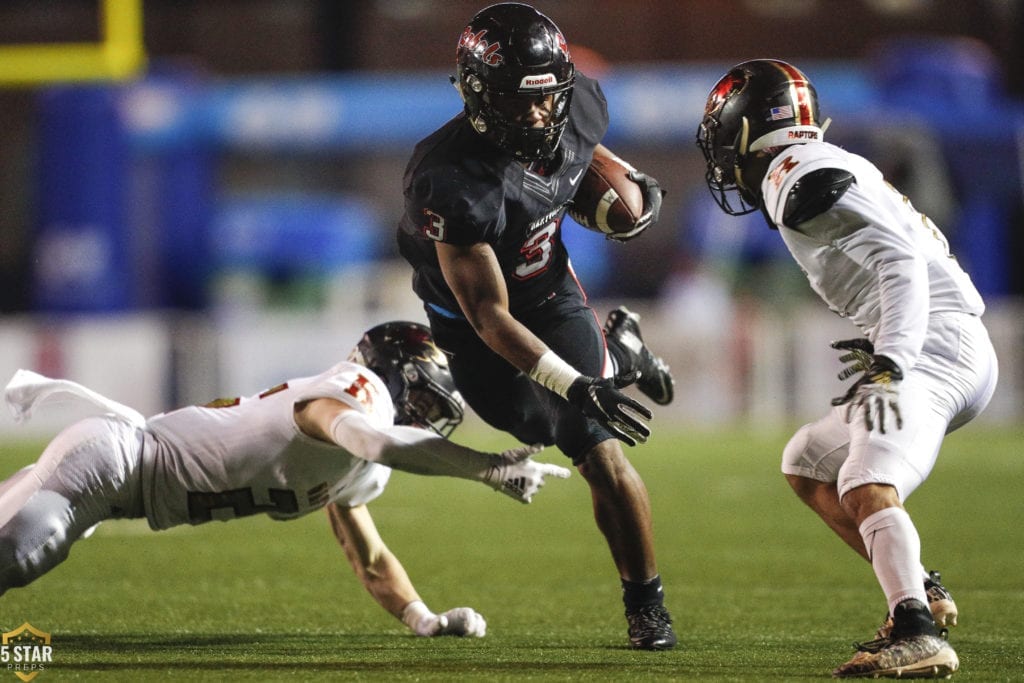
(800, 94)
(783, 112)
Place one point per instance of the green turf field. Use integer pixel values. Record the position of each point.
(758, 587)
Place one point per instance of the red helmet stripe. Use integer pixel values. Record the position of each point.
(802, 112)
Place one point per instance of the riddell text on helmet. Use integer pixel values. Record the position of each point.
(538, 80)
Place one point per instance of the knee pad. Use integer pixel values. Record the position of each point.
(817, 450)
(36, 539)
(793, 453)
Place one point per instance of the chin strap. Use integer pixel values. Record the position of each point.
(741, 151)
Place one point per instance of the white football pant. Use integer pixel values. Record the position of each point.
(952, 382)
(90, 472)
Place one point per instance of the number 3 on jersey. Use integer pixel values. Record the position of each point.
(536, 251)
(535, 254)
(434, 228)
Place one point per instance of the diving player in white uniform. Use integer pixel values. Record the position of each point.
(927, 364)
(324, 441)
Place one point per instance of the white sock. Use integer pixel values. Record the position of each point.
(895, 551)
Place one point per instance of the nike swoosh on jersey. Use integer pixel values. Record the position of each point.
(572, 180)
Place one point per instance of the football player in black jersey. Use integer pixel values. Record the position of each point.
(485, 196)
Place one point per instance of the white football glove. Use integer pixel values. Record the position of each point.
(878, 393)
(513, 472)
(460, 621)
(463, 622)
(880, 401)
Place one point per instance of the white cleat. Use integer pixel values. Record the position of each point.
(912, 657)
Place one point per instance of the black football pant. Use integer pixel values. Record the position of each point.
(509, 400)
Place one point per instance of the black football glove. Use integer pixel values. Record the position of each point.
(653, 195)
(861, 354)
(877, 391)
(600, 398)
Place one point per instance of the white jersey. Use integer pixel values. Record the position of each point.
(871, 257)
(242, 456)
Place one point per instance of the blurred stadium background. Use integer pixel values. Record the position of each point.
(200, 197)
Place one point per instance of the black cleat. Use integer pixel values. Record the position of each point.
(914, 649)
(940, 602)
(622, 330)
(650, 628)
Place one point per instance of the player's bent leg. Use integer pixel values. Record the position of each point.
(819, 449)
(823, 498)
(811, 462)
(622, 331)
(36, 539)
(623, 513)
(9, 483)
(95, 474)
(516, 407)
(500, 395)
(891, 540)
(15, 490)
(622, 509)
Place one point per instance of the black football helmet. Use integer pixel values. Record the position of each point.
(757, 105)
(416, 373)
(508, 57)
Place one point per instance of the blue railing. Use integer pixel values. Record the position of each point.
(93, 140)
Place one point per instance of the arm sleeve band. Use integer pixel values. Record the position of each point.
(414, 612)
(554, 373)
(408, 449)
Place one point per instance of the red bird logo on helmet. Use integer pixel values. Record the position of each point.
(729, 84)
(488, 53)
(562, 45)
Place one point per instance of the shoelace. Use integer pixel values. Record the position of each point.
(878, 644)
(873, 646)
(648, 620)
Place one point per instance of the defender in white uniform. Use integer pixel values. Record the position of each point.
(926, 362)
(324, 441)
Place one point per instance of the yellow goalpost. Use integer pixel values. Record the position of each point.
(119, 55)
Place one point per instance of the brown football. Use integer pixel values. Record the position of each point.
(607, 201)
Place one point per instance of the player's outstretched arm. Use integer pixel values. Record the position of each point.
(512, 472)
(386, 580)
(419, 451)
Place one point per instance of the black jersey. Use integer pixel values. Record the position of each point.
(461, 189)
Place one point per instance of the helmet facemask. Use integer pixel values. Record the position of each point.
(416, 373)
(497, 113)
(724, 167)
(425, 403)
